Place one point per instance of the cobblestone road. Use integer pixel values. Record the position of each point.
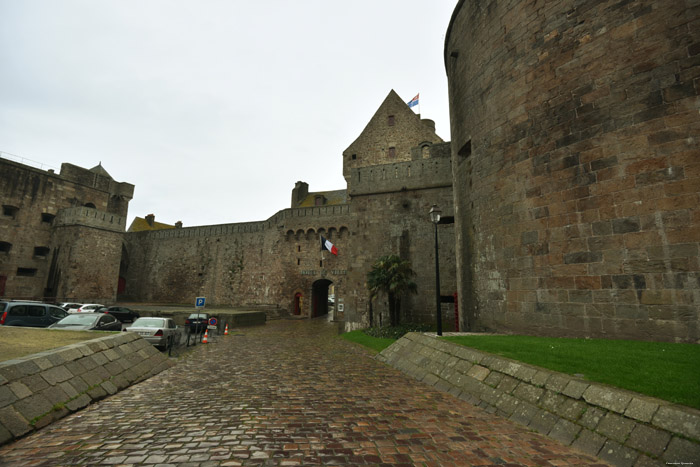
(287, 393)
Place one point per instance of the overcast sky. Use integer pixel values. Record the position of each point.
(213, 109)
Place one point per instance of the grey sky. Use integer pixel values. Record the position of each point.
(213, 109)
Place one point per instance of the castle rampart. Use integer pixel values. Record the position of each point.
(576, 169)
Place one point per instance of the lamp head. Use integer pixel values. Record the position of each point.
(435, 214)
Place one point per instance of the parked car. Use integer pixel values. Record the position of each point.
(122, 313)
(161, 332)
(89, 308)
(197, 323)
(32, 314)
(70, 307)
(88, 322)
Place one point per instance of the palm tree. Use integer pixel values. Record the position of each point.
(393, 276)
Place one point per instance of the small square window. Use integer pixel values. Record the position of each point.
(46, 217)
(354, 156)
(9, 211)
(41, 251)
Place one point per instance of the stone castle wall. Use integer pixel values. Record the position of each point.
(576, 166)
(42, 257)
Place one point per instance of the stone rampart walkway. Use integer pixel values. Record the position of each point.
(287, 393)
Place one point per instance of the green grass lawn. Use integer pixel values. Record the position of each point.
(659, 369)
(665, 370)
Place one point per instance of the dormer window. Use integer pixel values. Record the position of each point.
(319, 201)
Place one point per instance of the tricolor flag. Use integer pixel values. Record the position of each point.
(326, 245)
(413, 102)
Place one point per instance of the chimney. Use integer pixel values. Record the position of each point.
(150, 219)
(429, 123)
(300, 191)
(178, 224)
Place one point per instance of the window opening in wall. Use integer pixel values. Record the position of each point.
(298, 247)
(298, 261)
(392, 151)
(391, 120)
(90, 205)
(41, 251)
(9, 211)
(465, 151)
(48, 218)
(354, 156)
(27, 272)
(5, 247)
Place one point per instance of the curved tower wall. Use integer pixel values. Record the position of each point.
(576, 166)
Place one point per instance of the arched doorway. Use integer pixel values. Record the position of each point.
(319, 297)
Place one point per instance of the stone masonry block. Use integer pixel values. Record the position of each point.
(507, 404)
(56, 375)
(33, 407)
(647, 439)
(507, 384)
(640, 409)
(528, 392)
(478, 372)
(540, 378)
(7, 396)
(81, 402)
(557, 382)
(676, 420)
(617, 454)
(592, 417)
(683, 451)
(570, 409)
(525, 373)
(616, 427)
(494, 378)
(608, 398)
(20, 390)
(646, 461)
(575, 389)
(68, 389)
(550, 400)
(543, 422)
(565, 431)
(28, 367)
(35, 383)
(589, 442)
(14, 422)
(523, 413)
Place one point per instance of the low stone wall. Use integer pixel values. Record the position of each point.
(621, 427)
(39, 389)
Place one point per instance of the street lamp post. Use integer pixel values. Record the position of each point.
(435, 219)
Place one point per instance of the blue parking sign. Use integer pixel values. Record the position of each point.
(199, 302)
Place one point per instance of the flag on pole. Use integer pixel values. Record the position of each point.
(326, 245)
(413, 102)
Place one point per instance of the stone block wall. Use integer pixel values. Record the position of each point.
(576, 166)
(41, 388)
(621, 427)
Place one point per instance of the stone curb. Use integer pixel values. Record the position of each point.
(41, 388)
(621, 427)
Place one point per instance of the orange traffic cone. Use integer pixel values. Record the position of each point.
(206, 337)
(226, 330)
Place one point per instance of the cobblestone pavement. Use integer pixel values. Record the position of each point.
(287, 393)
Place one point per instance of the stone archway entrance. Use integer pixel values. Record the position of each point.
(319, 297)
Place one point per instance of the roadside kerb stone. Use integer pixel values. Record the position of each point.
(34, 389)
(618, 426)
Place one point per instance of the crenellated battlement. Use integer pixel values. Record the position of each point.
(400, 176)
(90, 217)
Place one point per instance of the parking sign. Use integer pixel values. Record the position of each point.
(199, 302)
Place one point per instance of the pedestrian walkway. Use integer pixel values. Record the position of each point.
(288, 393)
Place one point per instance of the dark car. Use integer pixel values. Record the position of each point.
(89, 322)
(31, 314)
(122, 313)
(197, 323)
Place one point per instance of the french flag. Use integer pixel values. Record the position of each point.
(326, 245)
(413, 102)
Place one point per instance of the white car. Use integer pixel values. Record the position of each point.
(70, 307)
(88, 308)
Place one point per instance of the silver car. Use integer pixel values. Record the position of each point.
(161, 332)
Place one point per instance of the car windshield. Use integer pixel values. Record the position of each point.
(148, 323)
(78, 320)
(198, 315)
